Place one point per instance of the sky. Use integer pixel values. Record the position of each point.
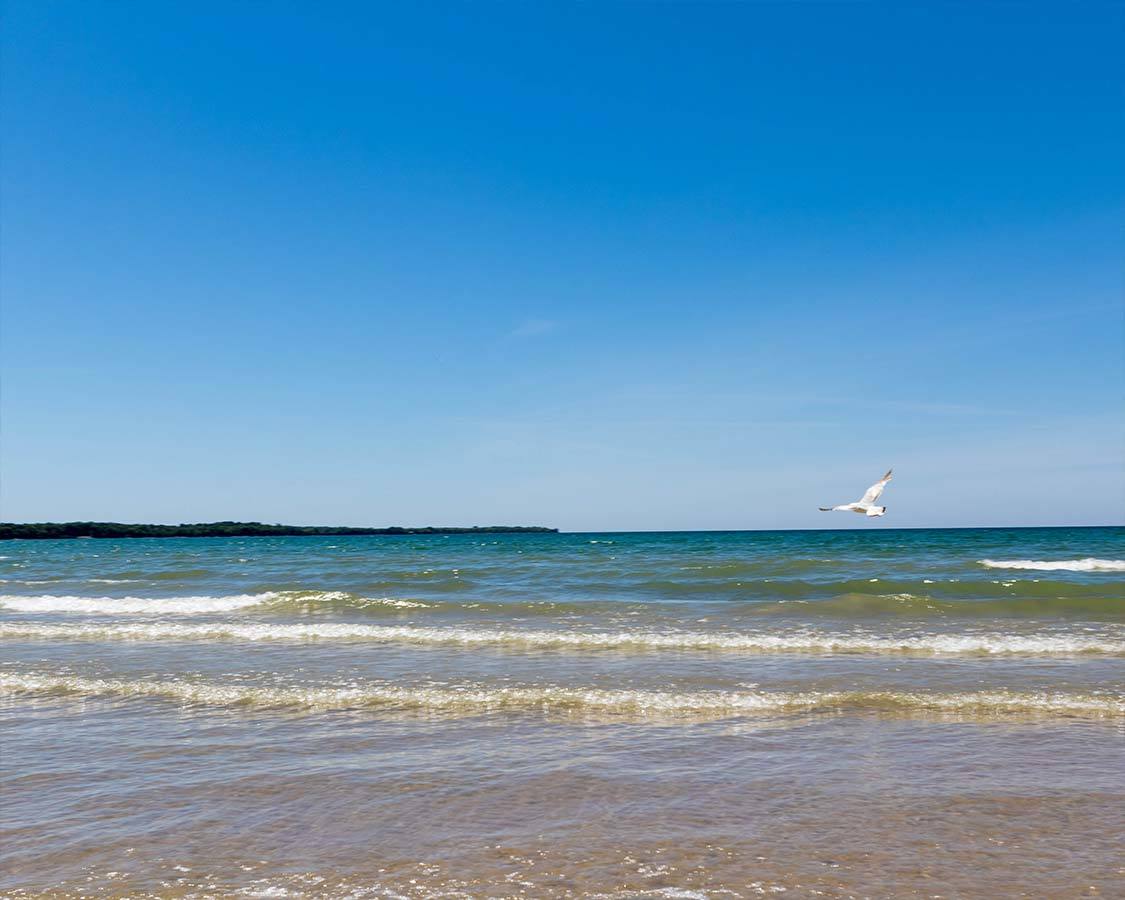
(636, 266)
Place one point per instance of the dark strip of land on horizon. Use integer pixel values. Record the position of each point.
(54, 530)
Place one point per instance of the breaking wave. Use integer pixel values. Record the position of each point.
(476, 699)
(1015, 599)
(810, 642)
(129, 605)
(186, 606)
(1089, 564)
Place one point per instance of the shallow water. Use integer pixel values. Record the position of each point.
(864, 713)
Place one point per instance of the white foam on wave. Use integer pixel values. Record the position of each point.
(49, 603)
(480, 698)
(811, 642)
(1089, 564)
(187, 606)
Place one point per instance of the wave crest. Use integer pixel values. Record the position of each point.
(1089, 564)
(477, 699)
(983, 644)
(203, 605)
(50, 603)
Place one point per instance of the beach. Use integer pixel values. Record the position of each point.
(883, 713)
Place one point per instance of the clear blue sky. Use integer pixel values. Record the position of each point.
(597, 266)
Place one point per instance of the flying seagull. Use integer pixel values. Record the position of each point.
(866, 503)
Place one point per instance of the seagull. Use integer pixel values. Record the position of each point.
(865, 504)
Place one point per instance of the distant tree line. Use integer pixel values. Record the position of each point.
(48, 530)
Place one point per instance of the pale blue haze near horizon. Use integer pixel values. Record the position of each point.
(601, 266)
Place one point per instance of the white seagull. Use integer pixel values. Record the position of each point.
(866, 503)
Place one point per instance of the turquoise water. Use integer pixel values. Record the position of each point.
(608, 714)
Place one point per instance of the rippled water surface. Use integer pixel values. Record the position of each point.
(863, 713)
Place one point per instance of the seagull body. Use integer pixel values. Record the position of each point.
(865, 505)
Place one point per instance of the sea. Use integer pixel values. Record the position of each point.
(859, 713)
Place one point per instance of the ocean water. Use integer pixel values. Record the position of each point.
(924, 713)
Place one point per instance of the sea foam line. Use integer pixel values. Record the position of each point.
(187, 606)
(985, 644)
(50, 603)
(474, 699)
(1089, 564)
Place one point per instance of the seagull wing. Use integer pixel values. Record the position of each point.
(876, 490)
